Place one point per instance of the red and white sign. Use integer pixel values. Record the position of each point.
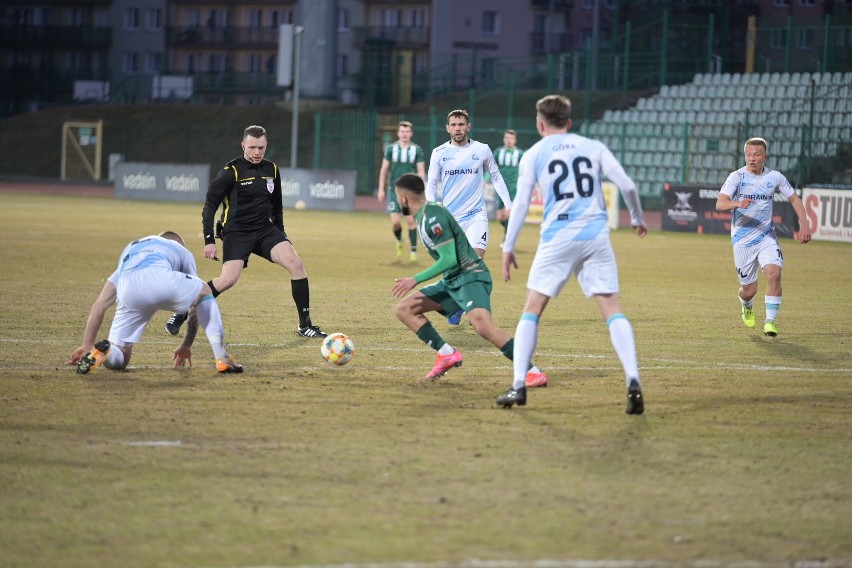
(828, 213)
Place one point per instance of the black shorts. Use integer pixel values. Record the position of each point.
(240, 244)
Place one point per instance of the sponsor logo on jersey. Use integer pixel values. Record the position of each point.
(437, 230)
(461, 172)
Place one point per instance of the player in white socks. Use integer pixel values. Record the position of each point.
(458, 166)
(752, 230)
(574, 238)
(154, 273)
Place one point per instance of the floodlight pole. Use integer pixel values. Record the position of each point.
(297, 65)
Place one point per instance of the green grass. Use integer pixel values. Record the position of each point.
(744, 453)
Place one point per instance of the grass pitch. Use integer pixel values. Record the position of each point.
(743, 456)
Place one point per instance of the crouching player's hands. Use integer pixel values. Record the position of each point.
(182, 357)
(77, 355)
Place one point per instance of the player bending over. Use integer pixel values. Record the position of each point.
(154, 273)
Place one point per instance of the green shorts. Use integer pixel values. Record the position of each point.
(512, 192)
(392, 203)
(474, 291)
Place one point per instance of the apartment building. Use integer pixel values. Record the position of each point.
(375, 52)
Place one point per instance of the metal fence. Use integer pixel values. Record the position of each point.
(691, 133)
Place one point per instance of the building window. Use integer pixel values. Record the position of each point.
(77, 61)
(28, 17)
(418, 18)
(388, 18)
(217, 19)
(100, 17)
(254, 63)
(805, 39)
(281, 17)
(490, 22)
(778, 39)
(77, 17)
(191, 63)
(342, 64)
(255, 18)
(343, 20)
(806, 3)
(131, 19)
(215, 63)
(193, 18)
(153, 63)
(153, 19)
(130, 62)
(418, 62)
(781, 3)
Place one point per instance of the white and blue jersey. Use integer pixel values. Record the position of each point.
(153, 274)
(154, 251)
(568, 169)
(461, 170)
(753, 225)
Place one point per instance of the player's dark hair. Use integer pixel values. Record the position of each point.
(254, 131)
(458, 113)
(555, 110)
(411, 182)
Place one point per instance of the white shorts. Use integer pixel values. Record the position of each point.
(592, 261)
(475, 228)
(142, 292)
(748, 259)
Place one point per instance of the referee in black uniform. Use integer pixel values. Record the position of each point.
(253, 222)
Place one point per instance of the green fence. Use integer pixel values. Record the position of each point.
(690, 133)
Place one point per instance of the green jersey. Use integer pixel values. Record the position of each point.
(438, 228)
(403, 160)
(507, 160)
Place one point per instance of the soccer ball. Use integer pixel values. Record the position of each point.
(337, 349)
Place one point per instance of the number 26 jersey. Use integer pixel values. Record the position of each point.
(568, 169)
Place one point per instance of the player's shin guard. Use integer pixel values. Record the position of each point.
(210, 318)
(621, 334)
(526, 337)
(773, 306)
(428, 335)
(302, 297)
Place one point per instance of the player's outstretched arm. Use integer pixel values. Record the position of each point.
(93, 323)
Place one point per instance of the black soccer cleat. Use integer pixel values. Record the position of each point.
(311, 330)
(174, 322)
(635, 401)
(513, 396)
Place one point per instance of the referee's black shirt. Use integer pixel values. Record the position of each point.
(251, 194)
